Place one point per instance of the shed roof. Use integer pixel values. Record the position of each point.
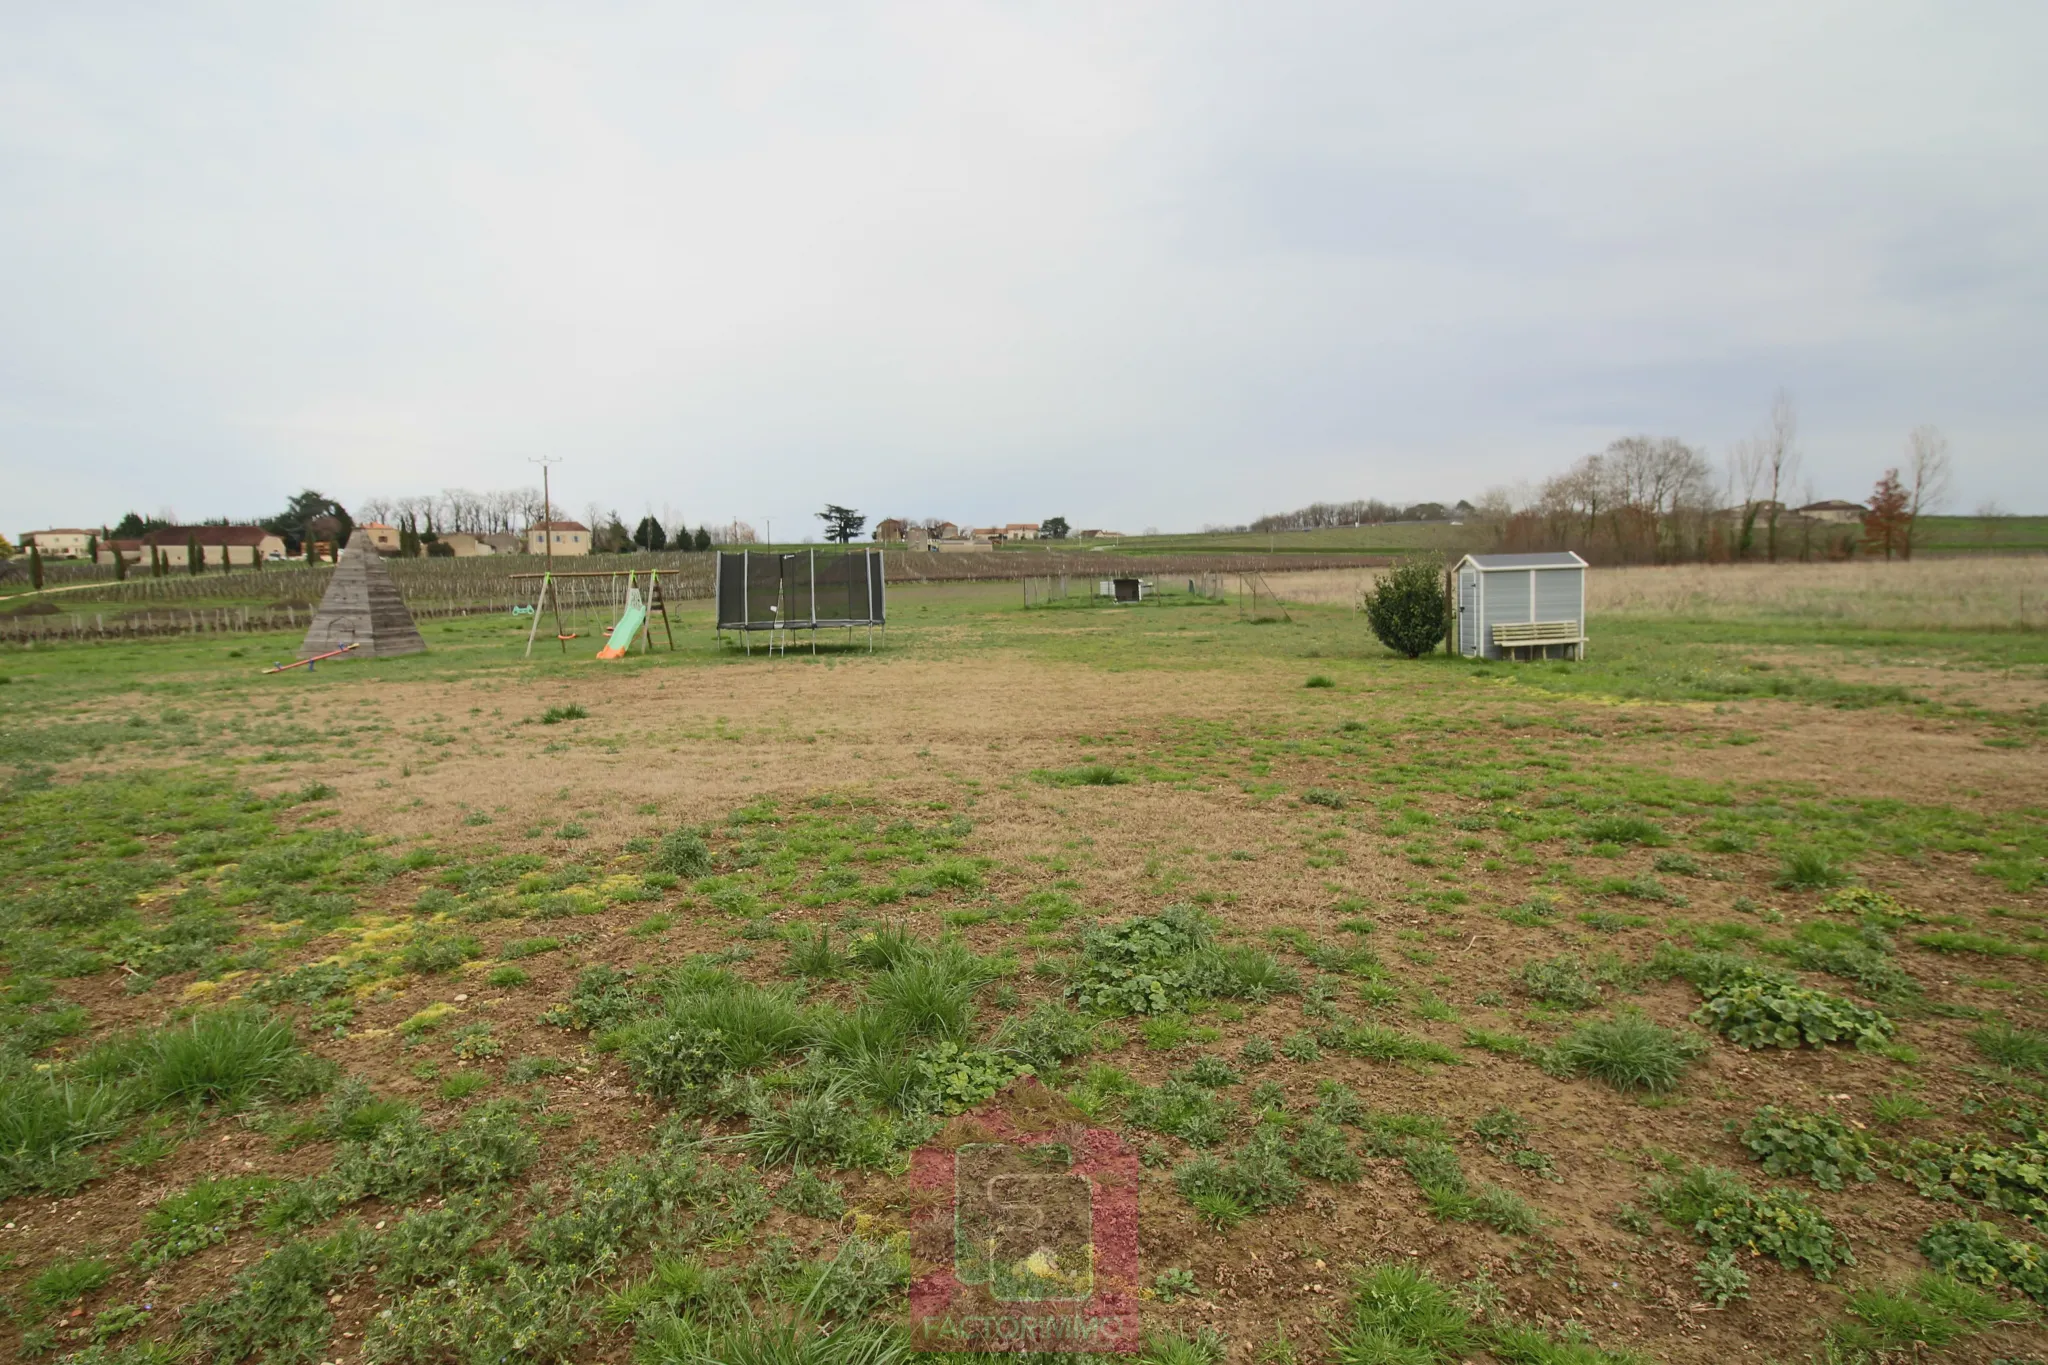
(1551, 559)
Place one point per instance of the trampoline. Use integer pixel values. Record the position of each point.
(779, 591)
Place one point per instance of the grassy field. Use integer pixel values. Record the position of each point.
(1684, 1004)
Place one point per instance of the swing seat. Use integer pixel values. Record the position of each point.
(570, 636)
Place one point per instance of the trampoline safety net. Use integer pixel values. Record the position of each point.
(800, 589)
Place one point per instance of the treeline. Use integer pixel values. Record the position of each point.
(1658, 500)
(1323, 516)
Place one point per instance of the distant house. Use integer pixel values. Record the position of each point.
(383, 539)
(891, 528)
(1834, 511)
(567, 537)
(915, 537)
(943, 530)
(1097, 534)
(503, 542)
(985, 535)
(463, 545)
(61, 542)
(1021, 530)
(229, 545)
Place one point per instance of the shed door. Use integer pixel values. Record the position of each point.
(1468, 612)
(1557, 594)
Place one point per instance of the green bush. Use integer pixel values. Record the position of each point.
(1256, 1176)
(1178, 1109)
(1625, 829)
(1810, 869)
(433, 1244)
(226, 1056)
(1719, 1207)
(1406, 608)
(812, 1195)
(1982, 1254)
(1820, 1146)
(823, 1127)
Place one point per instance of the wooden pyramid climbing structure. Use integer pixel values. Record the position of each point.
(362, 606)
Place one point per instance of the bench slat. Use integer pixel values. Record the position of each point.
(1537, 632)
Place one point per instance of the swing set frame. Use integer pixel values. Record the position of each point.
(549, 596)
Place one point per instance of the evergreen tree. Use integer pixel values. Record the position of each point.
(92, 549)
(648, 535)
(120, 565)
(841, 523)
(35, 566)
(702, 541)
(195, 558)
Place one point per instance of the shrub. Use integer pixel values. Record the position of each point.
(1210, 1071)
(1758, 1010)
(1406, 608)
(1719, 1207)
(683, 854)
(555, 715)
(1981, 1253)
(950, 1079)
(507, 978)
(1323, 796)
(1628, 1051)
(1561, 980)
(1820, 1146)
(710, 1032)
(1256, 1051)
(1320, 680)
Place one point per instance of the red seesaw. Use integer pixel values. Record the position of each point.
(307, 664)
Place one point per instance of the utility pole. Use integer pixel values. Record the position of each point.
(547, 540)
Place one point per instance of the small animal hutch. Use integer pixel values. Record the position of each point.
(1522, 606)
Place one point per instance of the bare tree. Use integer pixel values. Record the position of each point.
(1745, 484)
(1781, 462)
(1927, 471)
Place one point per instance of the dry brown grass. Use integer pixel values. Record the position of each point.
(1974, 593)
(1977, 593)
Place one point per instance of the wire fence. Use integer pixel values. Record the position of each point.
(282, 595)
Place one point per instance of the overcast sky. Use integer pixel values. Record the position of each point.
(1139, 265)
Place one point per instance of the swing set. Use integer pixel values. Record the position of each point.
(612, 604)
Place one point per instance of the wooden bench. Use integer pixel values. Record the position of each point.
(1539, 635)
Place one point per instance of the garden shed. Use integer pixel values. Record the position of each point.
(1522, 606)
